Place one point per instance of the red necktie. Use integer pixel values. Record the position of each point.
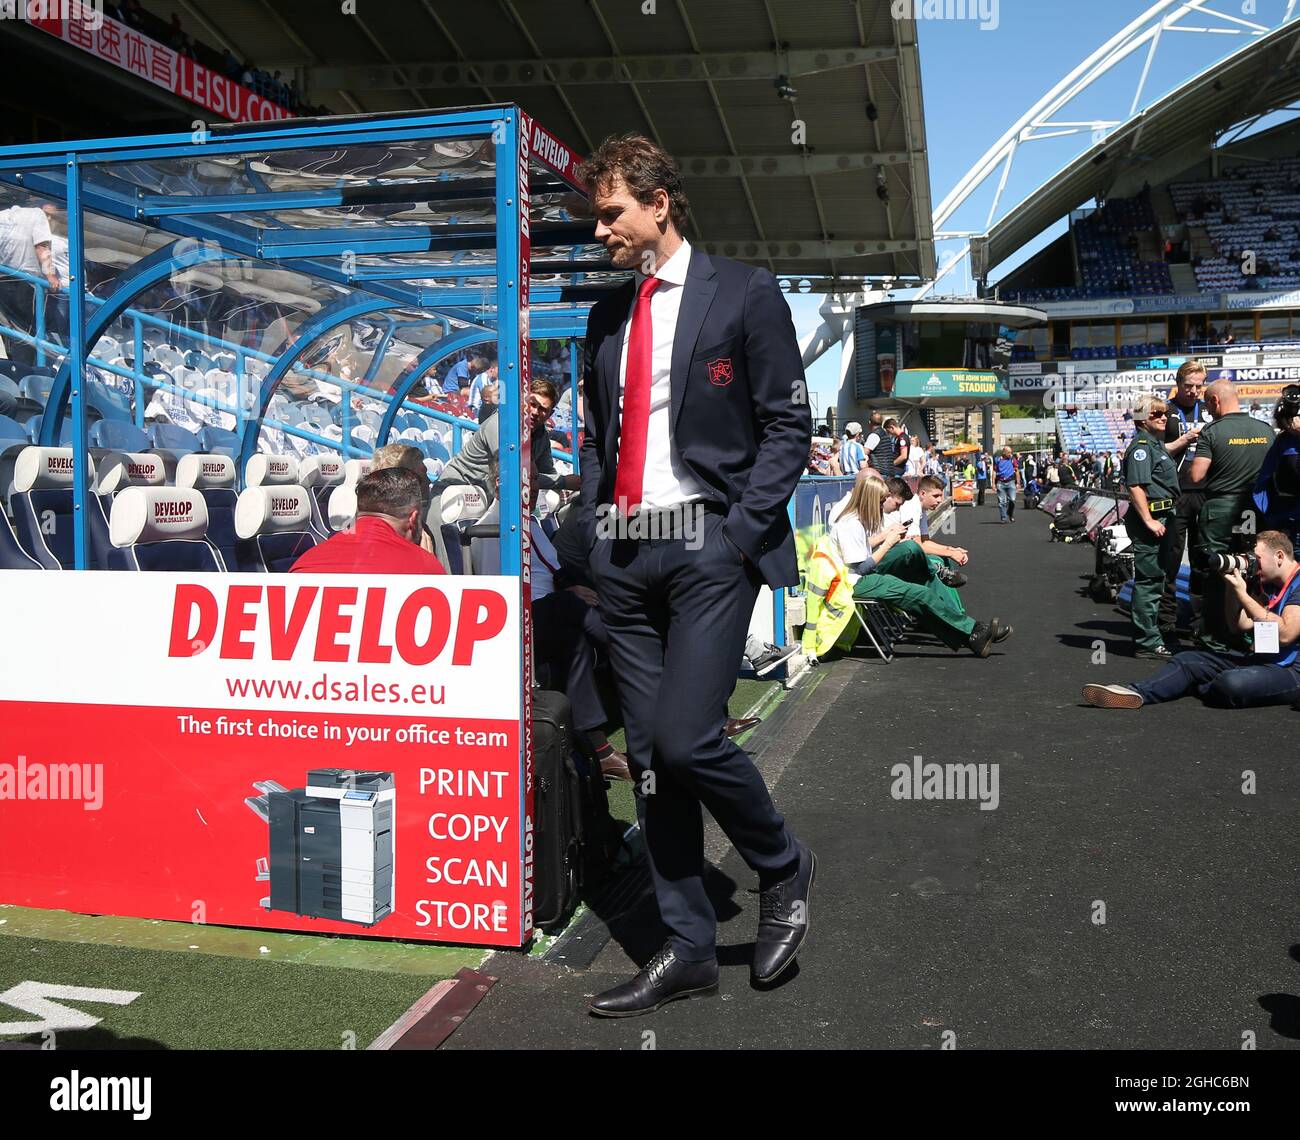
(636, 404)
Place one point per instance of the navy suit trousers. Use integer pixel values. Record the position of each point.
(677, 611)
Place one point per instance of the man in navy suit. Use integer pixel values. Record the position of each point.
(697, 430)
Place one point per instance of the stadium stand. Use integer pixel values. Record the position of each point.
(1252, 209)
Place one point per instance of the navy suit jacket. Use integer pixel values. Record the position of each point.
(740, 416)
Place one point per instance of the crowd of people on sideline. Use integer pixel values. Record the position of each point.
(1205, 476)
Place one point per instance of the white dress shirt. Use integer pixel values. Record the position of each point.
(667, 482)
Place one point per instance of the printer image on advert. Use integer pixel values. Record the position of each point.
(331, 845)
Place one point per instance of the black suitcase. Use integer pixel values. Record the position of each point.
(557, 812)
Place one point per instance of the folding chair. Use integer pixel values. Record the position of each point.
(872, 616)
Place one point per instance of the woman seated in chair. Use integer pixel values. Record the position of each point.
(894, 570)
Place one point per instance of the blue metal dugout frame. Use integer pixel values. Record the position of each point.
(95, 177)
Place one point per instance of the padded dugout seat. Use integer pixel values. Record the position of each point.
(42, 505)
(458, 508)
(321, 475)
(162, 528)
(213, 477)
(115, 472)
(276, 519)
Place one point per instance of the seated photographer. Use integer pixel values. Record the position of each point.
(1234, 680)
(893, 570)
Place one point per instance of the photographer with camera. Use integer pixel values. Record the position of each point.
(1229, 455)
(1152, 479)
(1277, 487)
(1269, 675)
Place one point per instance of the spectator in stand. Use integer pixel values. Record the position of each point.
(853, 456)
(26, 243)
(875, 432)
(462, 373)
(386, 536)
(475, 398)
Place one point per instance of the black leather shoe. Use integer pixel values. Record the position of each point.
(954, 578)
(981, 637)
(783, 920)
(663, 979)
(1001, 630)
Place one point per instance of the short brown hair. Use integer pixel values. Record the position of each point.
(930, 483)
(1276, 540)
(394, 491)
(644, 168)
(1188, 367)
(540, 386)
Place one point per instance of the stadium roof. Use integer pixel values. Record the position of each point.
(699, 76)
(1262, 77)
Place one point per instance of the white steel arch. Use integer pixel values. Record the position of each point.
(1038, 123)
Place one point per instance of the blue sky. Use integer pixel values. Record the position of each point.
(977, 83)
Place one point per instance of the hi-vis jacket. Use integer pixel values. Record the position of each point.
(829, 601)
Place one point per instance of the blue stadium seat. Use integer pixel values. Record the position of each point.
(110, 404)
(161, 528)
(219, 440)
(12, 555)
(169, 437)
(33, 428)
(117, 435)
(11, 432)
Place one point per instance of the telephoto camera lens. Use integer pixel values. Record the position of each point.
(1244, 564)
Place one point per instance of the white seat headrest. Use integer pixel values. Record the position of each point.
(321, 471)
(354, 470)
(119, 470)
(343, 507)
(203, 471)
(272, 510)
(156, 514)
(43, 468)
(548, 502)
(462, 502)
(271, 471)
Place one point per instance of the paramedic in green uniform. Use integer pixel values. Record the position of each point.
(1152, 479)
(1229, 454)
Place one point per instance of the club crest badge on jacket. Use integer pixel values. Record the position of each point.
(720, 372)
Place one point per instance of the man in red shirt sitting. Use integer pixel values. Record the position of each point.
(385, 539)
